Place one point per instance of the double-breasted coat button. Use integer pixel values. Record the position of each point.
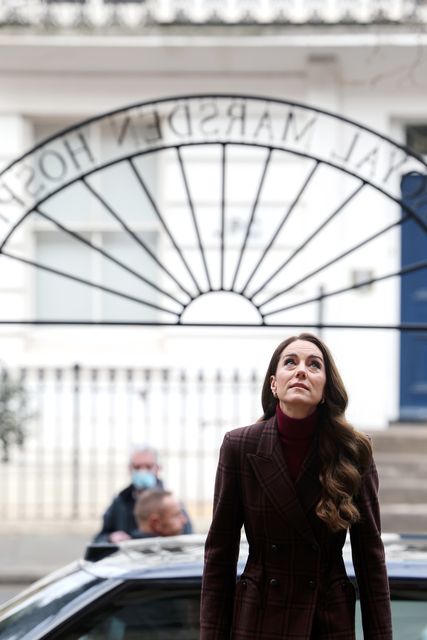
(274, 582)
(244, 584)
(274, 548)
(311, 584)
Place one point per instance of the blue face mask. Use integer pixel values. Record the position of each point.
(143, 479)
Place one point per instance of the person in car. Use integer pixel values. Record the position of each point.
(119, 520)
(158, 513)
(298, 480)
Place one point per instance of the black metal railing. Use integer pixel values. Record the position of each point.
(83, 422)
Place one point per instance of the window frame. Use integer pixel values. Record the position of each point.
(132, 584)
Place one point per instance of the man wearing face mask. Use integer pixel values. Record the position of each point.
(119, 520)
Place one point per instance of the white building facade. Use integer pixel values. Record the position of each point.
(363, 62)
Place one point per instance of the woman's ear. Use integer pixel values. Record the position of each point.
(273, 385)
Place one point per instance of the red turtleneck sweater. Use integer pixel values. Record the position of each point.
(295, 436)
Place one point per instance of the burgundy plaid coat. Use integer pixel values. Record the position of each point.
(294, 586)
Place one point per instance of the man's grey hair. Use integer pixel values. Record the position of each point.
(143, 448)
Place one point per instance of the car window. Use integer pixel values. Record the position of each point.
(39, 607)
(139, 611)
(409, 620)
(409, 614)
(409, 610)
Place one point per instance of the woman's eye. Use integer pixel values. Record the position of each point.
(289, 361)
(315, 364)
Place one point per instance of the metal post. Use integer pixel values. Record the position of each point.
(320, 310)
(75, 462)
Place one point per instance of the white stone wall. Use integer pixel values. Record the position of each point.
(377, 80)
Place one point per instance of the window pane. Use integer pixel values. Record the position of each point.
(142, 614)
(116, 185)
(125, 248)
(121, 189)
(76, 204)
(416, 138)
(58, 297)
(41, 605)
(409, 619)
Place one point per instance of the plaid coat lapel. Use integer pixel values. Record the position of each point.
(291, 501)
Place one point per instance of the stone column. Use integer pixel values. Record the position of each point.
(15, 278)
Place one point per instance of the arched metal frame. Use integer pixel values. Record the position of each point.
(22, 195)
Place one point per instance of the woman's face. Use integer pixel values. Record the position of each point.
(300, 379)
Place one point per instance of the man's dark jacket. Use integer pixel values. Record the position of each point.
(119, 515)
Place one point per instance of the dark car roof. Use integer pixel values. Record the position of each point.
(168, 560)
(182, 556)
(149, 557)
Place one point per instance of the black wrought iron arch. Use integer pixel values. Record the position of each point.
(278, 131)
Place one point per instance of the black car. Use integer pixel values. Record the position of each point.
(150, 590)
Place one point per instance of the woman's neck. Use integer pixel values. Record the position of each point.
(296, 428)
(299, 412)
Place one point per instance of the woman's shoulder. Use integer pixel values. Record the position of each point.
(249, 434)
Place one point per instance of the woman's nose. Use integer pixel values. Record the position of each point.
(301, 372)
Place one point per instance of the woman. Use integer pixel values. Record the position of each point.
(297, 480)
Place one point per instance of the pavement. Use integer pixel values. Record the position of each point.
(26, 557)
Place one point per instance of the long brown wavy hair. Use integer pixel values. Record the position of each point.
(345, 454)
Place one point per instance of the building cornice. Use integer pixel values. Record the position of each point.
(145, 14)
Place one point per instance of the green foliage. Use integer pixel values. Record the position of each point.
(13, 415)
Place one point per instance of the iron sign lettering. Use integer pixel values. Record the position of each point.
(192, 120)
(286, 153)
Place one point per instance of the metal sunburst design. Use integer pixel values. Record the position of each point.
(213, 210)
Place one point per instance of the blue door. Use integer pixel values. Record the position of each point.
(413, 304)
